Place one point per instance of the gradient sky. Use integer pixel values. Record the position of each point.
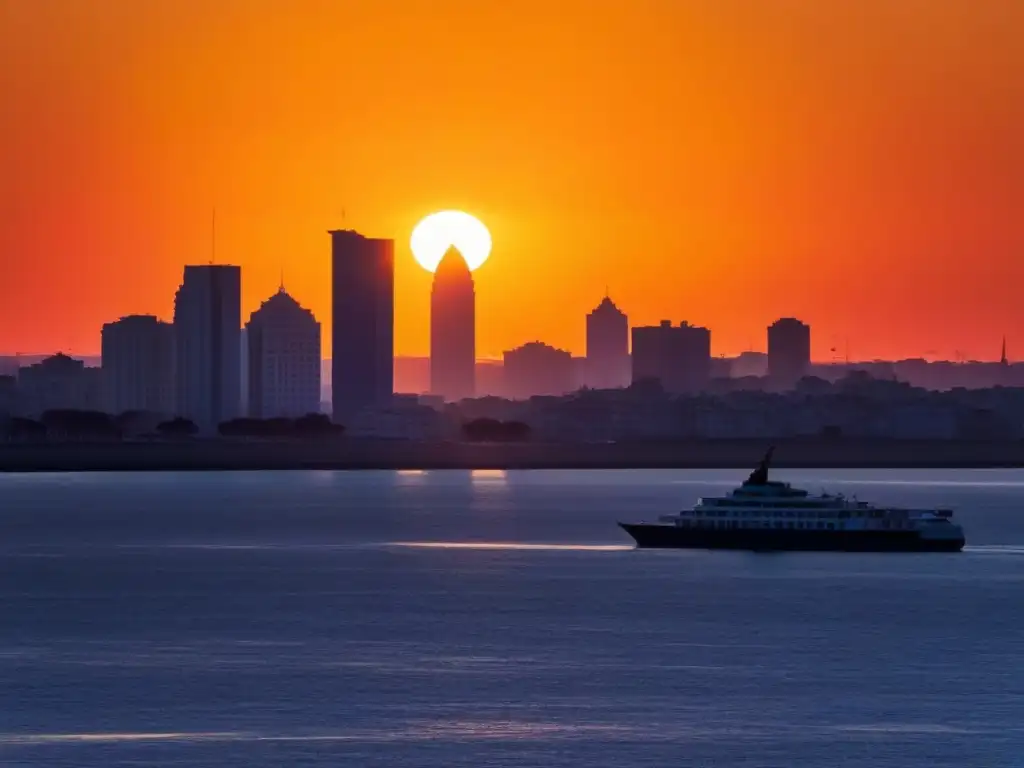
(856, 163)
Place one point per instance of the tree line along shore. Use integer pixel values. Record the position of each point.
(71, 425)
(504, 450)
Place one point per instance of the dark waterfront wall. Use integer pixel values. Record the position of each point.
(226, 454)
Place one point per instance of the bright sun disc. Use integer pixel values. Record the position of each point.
(440, 231)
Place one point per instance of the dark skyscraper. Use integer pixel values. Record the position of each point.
(453, 329)
(363, 322)
(607, 364)
(207, 333)
(789, 351)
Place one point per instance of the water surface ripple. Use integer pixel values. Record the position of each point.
(430, 619)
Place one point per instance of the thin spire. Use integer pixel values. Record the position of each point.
(280, 288)
(1002, 357)
(213, 237)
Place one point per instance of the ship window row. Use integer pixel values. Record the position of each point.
(789, 502)
(796, 513)
(733, 524)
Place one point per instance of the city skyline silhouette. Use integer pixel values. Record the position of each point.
(854, 165)
(356, 354)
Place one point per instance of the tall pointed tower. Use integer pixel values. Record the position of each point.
(607, 365)
(453, 329)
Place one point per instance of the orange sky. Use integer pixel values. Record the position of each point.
(857, 163)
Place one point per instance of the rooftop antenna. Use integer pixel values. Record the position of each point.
(280, 288)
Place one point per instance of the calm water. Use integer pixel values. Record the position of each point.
(491, 619)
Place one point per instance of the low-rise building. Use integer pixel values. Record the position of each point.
(538, 369)
(8, 396)
(138, 365)
(60, 382)
(678, 356)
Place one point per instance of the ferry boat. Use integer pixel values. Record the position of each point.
(768, 515)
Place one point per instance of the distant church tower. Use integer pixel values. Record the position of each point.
(453, 329)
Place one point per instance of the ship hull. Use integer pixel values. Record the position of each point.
(660, 536)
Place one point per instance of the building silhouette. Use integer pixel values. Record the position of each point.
(678, 356)
(283, 340)
(59, 382)
(749, 363)
(207, 332)
(789, 351)
(607, 362)
(453, 329)
(243, 364)
(490, 378)
(537, 369)
(137, 361)
(362, 325)
(9, 399)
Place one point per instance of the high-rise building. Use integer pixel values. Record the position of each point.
(607, 365)
(283, 340)
(137, 354)
(679, 356)
(538, 369)
(789, 351)
(453, 329)
(207, 331)
(363, 322)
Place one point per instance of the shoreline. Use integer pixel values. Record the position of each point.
(365, 454)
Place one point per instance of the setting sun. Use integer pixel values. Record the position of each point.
(440, 231)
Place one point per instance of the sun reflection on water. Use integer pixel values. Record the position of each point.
(512, 545)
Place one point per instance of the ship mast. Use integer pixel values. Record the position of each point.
(760, 475)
